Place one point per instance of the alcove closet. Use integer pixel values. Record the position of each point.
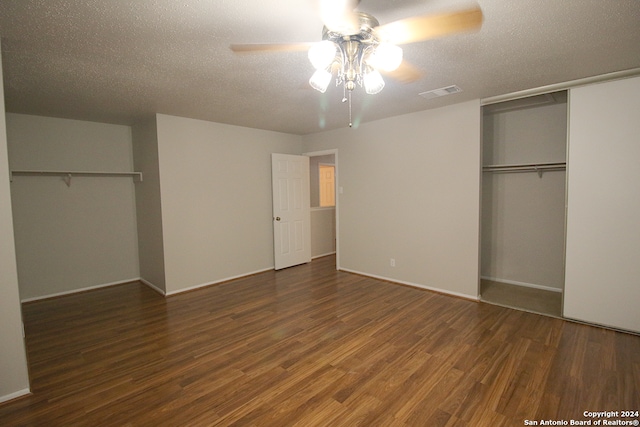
(524, 146)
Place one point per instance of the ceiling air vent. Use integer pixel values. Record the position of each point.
(435, 93)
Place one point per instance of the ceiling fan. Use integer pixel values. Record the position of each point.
(356, 48)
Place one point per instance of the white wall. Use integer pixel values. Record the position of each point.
(148, 205)
(523, 214)
(603, 214)
(76, 237)
(14, 377)
(215, 182)
(411, 192)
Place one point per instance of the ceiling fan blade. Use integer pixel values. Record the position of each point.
(270, 47)
(405, 73)
(340, 16)
(430, 26)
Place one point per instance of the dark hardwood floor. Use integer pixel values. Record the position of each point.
(310, 346)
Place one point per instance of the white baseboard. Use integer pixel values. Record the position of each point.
(75, 291)
(146, 283)
(415, 285)
(204, 285)
(523, 284)
(15, 395)
(152, 286)
(323, 255)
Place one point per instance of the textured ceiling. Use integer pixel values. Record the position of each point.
(119, 61)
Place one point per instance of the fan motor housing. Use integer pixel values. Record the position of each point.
(365, 34)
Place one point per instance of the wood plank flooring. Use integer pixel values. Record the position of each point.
(311, 346)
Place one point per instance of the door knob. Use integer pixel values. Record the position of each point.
(277, 218)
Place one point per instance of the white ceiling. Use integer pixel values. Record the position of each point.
(119, 61)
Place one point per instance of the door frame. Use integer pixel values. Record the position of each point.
(333, 151)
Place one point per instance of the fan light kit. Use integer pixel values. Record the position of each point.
(355, 54)
(356, 57)
(355, 47)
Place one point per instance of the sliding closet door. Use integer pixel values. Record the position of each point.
(602, 282)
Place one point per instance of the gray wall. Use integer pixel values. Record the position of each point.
(411, 192)
(323, 231)
(79, 236)
(14, 377)
(148, 205)
(217, 216)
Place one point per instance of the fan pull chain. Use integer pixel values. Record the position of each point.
(350, 121)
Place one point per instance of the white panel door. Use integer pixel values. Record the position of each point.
(291, 210)
(602, 279)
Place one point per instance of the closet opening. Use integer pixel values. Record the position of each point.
(524, 146)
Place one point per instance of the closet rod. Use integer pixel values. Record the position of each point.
(69, 174)
(526, 167)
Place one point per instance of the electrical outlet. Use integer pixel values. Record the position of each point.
(392, 262)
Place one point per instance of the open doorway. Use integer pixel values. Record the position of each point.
(323, 181)
(327, 185)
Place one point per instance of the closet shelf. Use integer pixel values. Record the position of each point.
(526, 167)
(67, 175)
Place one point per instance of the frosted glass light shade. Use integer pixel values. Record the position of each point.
(373, 82)
(386, 57)
(322, 54)
(320, 80)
